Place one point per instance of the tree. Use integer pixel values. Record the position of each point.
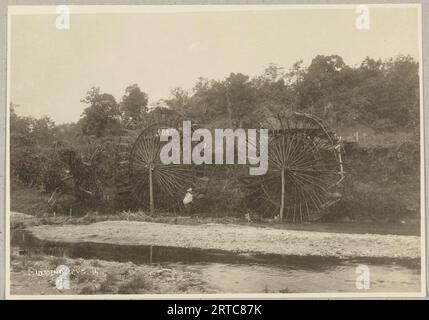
(390, 93)
(240, 98)
(179, 100)
(20, 129)
(275, 92)
(32, 158)
(44, 130)
(134, 104)
(400, 101)
(323, 77)
(102, 117)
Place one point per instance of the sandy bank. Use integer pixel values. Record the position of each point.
(236, 238)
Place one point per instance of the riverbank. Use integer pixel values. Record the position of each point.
(235, 238)
(137, 257)
(37, 275)
(407, 227)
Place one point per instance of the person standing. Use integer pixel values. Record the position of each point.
(187, 201)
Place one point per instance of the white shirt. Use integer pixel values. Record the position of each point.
(188, 198)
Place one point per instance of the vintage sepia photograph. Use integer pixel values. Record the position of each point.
(215, 151)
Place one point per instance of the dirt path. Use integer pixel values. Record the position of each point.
(236, 238)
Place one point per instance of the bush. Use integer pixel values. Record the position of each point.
(52, 171)
(383, 183)
(220, 194)
(135, 285)
(26, 164)
(26, 199)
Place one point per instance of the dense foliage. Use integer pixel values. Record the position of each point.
(380, 96)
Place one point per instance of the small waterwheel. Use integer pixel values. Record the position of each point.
(304, 173)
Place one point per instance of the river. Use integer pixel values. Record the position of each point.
(244, 273)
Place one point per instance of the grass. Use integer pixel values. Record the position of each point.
(88, 289)
(108, 278)
(58, 261)
(109, 284)
(95, 263)
(411, 227)
(28, 200)
(385, 139)
(136, 284)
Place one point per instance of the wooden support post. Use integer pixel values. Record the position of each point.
(152, 206)
(282, 200)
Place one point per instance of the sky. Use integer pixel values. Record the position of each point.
(52, 69)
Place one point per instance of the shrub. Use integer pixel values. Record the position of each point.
(221, 193)
(383, 183)
(135, 285)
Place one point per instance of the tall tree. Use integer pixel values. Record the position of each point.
(102, 117)
(134, 104)
(240, 98)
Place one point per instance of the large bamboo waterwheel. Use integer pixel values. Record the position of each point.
(304, 173)
(156, 185)
(124, 171)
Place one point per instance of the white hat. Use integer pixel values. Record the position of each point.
(190, 189)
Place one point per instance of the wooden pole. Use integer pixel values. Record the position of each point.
(282, 200)
(152, 207)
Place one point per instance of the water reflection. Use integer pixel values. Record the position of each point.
(244, 273)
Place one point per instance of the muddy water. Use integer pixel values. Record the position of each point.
(255, 278)
(228, 272)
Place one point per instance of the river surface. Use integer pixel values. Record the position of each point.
(228, 272)
(256, 278)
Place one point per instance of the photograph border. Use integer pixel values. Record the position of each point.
(5, 241)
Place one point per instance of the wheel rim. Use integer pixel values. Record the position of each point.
(169, 182)
(305, 160)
